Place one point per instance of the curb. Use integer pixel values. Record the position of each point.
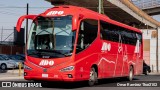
(15, 71)
(152, 73)
(11, 75)
(12, 78)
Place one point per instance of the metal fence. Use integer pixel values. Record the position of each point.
(11, 49)
(6, 35)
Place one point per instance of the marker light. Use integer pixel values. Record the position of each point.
(27, 67)
(70, 76)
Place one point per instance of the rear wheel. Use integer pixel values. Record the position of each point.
(93, 77)
(146, 72)
(131, 74)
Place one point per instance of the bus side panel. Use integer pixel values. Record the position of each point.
(83, 65)
(107, 60)
(85, 59)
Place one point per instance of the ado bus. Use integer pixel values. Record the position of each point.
(69, 43)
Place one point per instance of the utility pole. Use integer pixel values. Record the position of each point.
(100, 6)
(157, 66)
(2, 34)
(27, 22)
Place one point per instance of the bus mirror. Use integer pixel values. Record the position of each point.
(74, 23)
(21, 19)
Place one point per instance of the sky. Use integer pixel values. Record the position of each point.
(11, 10)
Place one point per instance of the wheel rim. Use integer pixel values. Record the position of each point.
(131, 74)
(92, 77)
(3, 67)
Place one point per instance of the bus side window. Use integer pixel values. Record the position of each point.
(109, 31)
(87, 34)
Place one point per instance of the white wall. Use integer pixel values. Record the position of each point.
(147, 35)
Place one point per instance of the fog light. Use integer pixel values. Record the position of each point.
(70, 76)
(25, 74)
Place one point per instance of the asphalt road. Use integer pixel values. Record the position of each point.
(141, 82)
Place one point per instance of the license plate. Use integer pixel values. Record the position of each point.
(45, 75)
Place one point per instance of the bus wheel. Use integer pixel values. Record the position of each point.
(93, 77)
(131, 74)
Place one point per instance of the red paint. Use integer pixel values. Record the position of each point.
(110, 63)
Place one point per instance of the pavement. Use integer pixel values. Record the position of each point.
(11, 75)
(154, 73)
(16, 75)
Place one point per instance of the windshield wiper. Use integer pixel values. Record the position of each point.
(34, 53)
(48, 52)
(68, 54)
(58, 52)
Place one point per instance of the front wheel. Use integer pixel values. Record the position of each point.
(93, 77)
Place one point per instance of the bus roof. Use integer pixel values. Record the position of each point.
(86, 13)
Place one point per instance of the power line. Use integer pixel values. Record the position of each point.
(12, 10)
(8, 13)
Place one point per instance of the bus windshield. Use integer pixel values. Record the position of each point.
(51, 37)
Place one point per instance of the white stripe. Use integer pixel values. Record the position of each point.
(105, 60)
(131, 62)
(118, 51)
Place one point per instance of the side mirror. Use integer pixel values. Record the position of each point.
(21, 19)
(74, 23)
(75, 20)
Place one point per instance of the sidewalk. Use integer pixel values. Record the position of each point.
(11, 75)
(154, 73)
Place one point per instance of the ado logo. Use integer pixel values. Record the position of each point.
(106, 47)
(55, 13)
(46, 62)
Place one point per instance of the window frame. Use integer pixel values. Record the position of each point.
(97, 23)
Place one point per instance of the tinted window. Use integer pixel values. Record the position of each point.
(1, 58)
(113, 33)
(87, 34)
(109, 32)
(128, 37)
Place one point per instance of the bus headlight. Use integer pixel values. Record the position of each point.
(27, 67)
(69, 68)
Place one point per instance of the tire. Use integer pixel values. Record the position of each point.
(3, 66)
(93, 77)
(131, 74)
(146, 72)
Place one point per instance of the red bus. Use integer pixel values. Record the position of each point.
(69, 43)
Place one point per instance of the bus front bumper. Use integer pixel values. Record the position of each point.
(49, 76)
